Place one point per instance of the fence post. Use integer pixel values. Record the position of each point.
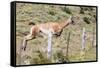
(20, 53)
(92, 40)
(82, 56)
(68, 39)
(83, 39)
(49, 47)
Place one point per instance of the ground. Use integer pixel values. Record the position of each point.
(36, 51)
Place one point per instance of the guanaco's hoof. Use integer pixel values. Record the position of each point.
(23, 48)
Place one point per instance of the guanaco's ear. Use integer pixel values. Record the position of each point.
(69, 19)
(72, 20)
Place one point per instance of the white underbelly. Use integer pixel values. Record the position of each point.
(46, 31)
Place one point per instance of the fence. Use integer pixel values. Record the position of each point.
(83, 45)
(74, 48)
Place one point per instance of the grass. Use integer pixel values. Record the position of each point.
(36, 52)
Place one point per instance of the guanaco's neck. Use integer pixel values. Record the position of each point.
(66, 23)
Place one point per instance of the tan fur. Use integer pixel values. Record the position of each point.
(54, 27)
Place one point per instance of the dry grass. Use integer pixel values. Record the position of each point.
(36, 52)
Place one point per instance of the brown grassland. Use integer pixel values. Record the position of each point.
(36, 51)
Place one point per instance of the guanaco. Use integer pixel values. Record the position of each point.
(55, 28)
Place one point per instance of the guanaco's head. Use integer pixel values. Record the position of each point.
(71, 20)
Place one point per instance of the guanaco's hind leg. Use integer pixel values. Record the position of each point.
(26, 38)
(30, 36)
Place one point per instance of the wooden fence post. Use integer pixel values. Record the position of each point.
(20, 53)
(82, 56)
(68, 39)
(83, 39)
(49, 47)
(92, 39)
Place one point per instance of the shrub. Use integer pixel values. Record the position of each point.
(51, 12)
(87, 20)
(60, 58)
(41, 59)
(67, 10)
(81, 10)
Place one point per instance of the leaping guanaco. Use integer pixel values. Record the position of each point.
(55, 27)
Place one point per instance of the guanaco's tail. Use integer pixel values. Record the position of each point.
(31, 23)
